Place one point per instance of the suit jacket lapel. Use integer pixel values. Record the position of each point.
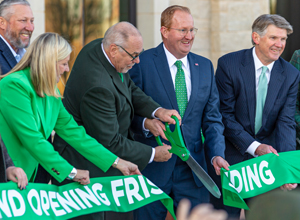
(7, 54)
(161, 64)
(122, 87)
(276, 80)
(247, 71)
(195, 82)
(48, 109)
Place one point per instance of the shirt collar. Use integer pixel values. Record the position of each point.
(258, 64)
(20, 51)
(106, 55)
(172, 59)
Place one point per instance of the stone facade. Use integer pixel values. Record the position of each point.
(38, 10)
(224, 25)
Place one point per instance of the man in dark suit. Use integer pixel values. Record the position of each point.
(101, 96)
(258, 91)
(156, 75)
(16, 27)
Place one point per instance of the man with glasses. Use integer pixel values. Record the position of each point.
(176, 78)
(101, 97)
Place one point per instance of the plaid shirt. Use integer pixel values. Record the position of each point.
(295, 61)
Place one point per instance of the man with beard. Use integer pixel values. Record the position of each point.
(16, 27)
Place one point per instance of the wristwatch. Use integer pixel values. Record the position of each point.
(72, 174)
(114, 165)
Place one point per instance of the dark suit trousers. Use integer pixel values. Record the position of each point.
(181, 185)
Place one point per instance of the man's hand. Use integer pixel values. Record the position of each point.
(165, 115)
(17, 175)
(82, 176)
(127, 168)
(289, 186)
(265, 149)
(156, 127)
(162, 153)
(218, 163)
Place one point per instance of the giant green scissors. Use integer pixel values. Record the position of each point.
(179, 148)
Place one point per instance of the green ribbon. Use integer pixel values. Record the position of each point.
(259, 175)
(43, 201)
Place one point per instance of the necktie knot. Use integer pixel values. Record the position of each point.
(264, 69)
(178, 64)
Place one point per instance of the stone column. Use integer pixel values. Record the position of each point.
(38, 10)
(224, 25)
(231, 23)
(148, 20)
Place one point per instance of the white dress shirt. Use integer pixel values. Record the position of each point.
(20, 53)
(173, 69)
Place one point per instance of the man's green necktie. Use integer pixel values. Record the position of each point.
(121, 76)
(261, 98)
(180, 88)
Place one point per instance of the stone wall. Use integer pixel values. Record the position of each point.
(231, 23)
(224, 25)
(38, 10)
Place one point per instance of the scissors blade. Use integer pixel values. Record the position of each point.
(203, 177)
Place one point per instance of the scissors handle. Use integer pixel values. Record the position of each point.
(176, 140)
(158, 140)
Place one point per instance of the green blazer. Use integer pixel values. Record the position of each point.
(27, 121)
(97, 99)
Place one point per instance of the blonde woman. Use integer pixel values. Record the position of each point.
(31, 107)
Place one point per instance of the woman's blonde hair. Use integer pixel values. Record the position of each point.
(42, 56)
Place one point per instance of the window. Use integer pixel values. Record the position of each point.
(80, 22)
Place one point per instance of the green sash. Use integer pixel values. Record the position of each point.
(259, 175)
(43, 201)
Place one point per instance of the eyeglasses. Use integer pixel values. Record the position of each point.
(184, 31)
(133, 57)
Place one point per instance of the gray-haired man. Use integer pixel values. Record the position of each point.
(258, 91)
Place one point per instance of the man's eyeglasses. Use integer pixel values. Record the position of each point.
(133, 57)
(184, 31)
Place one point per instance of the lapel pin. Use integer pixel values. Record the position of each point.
(196, 64)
